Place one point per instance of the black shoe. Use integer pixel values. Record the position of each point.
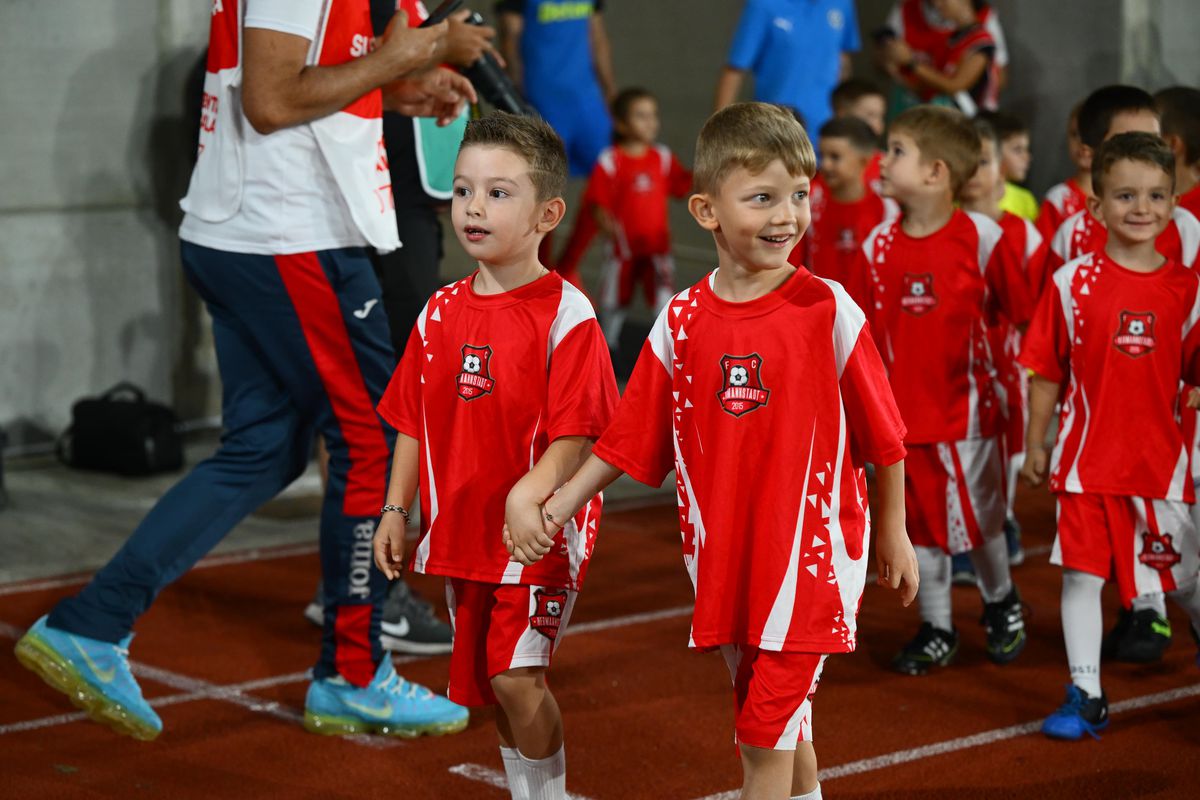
(1004, 622)
(408, 625)
(931, 647)
(1139, 637)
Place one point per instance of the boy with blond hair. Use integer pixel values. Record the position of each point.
(936, 276)
(762, 388)
(504, 385)
(1123, 317)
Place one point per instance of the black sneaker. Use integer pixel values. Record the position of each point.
(931, 647)
(1139, 637)
(408, 626)
(1004, 622)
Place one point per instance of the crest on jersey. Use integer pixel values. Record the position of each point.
(742, 390)
(918, 297)
(1158, 551)
(1135, 333)
(475, 378)
(547, 614)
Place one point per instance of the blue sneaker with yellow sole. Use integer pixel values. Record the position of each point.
(94, 675)
(388, 704)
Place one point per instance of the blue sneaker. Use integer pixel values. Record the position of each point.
(94, 675)
(1079, 714)
(388, 704)
(962, 571)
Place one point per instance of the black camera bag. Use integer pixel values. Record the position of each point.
(123, 432)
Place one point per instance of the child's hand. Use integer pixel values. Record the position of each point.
(896, 562)
(1033, 471)
(389, 545)
(1193, 398)
(525, 532)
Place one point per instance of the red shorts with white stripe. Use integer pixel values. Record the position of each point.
(773, 695)
(498, 627)
(1149, 546)
(955, 493)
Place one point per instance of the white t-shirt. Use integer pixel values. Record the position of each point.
(315, 186)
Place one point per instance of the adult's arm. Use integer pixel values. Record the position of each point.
(729, 84)
(602, 56)
(512, 26)
(280, 90)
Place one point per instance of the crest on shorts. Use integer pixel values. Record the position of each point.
(475, 378)
(742, 390)
(1135, 333)
(547, 616)
(918, 298)
(1158, 551)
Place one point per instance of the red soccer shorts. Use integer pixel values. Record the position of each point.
(498, 627)
(772, 695)
(654, 275)
(1150, 546)
(954, 494)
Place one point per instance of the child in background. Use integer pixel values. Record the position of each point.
(864, 100)
(1015, 157)
(1069, 197)
(844, 211)
(1116, 333)
(1180, 110)
(506, 370)
(630, 186)
(936, 276)
(762, 358)
(982, 195)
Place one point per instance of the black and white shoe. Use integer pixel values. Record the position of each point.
(409, 624)
(1004, 622)
(932, 647)
(1139, 637)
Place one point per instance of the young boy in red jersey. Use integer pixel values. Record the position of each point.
(1112, 320)
(861, 98)
(1105, 113)
(937, 275)
(843, 209)
(762, 388)
(1069, 197)
(630, 186)
(1180, 110)
(981, 195)
(506, 370)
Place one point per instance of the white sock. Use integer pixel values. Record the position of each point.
(933, 593)
(1189, 600)
(512, 769)
(1155, 601)
(1083, 628)
(815, 794)
(991, 569)
(546, 778)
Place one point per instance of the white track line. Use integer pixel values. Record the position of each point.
(976, 740)
(482, 774)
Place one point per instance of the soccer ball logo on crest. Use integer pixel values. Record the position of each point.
(1158, 552)
(546, 618)
(1135, 333)
(918, 297)
(475, 379)
(741, 388)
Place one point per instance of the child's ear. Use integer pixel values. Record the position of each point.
(553, 211)
(939, 171)
(701, 207)
(1093, 206)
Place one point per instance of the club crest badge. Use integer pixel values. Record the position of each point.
(1135, 333)
(475, 379)
(918, 298)
(547, 615)
(1158, 552)
(742, 390)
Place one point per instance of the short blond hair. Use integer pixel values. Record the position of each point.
(532, 139)
(751, 136)
(946, 135)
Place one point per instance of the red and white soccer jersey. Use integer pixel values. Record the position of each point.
(767, 410)
(486, 383)
(929, 303)
(1122, 341)
(871, 175)
(1062, 200)
(962, 44)
(1082, 233)
(635, 190)
(1190, 201)
(831, 246)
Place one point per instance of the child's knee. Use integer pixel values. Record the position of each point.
(518, 687)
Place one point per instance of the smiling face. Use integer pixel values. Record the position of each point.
(1135, 201)
(756, 218)
(495, 209)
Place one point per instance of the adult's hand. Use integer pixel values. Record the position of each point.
(439, 93)
(466, 43)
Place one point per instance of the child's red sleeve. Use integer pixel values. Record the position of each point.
(640, 441)
(400, 405)
(876, 428)
(679, 179)
(582, 387)
(600, 187)
(1007, 281)
(1046, 346)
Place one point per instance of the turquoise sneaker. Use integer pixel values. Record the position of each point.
(388, 704)
(94, 675)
